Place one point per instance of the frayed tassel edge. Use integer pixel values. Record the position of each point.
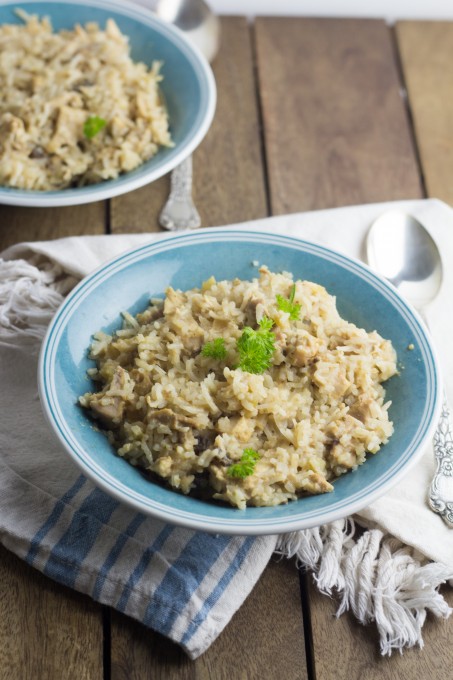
(375, 576)
(29, 298)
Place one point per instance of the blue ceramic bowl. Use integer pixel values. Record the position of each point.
(130, 280)
(188, 87)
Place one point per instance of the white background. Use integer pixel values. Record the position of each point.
(387, 9)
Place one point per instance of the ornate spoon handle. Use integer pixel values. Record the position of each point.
(441, 489)
(179, 211)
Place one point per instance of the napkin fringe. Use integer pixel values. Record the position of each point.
(29, 297)
(375, 576)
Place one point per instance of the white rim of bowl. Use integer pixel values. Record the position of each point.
(103, 190)
(242, 526)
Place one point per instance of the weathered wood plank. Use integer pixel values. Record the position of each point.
(40, 224)
(46, 631)
(346, 649)
(341, 135)
(137, 653)
(264, 640)
(227, 166)
(336, 130)
(229, 181)
(426, 53)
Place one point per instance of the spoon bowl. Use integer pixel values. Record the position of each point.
(402, 250)
(196, 19)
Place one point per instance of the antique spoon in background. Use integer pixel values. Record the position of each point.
(202, 27)
(401, 249)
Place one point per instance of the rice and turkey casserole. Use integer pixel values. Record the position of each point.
(75, 109)
(182, 395)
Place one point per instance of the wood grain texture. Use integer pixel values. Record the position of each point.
(340, 135)
(264, 640)
(336, 133)
(228, 173)
(41, 224)
(426, 53)
(265, 637)
(138, 211)
(138, 653)
(355, 648)
(335, 125)
(47, 632)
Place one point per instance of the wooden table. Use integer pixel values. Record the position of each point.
(312, 113)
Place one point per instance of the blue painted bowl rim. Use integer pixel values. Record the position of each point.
(241, 526)
(128, 182)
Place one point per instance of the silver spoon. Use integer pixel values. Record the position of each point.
(401, 249)
(202, 27)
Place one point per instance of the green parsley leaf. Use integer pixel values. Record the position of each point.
(288, 305)
(246, 464)
(92, 126)
(215, 349)
(256, 347)
(266, 324)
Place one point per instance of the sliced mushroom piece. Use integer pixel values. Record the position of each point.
(182, 425)
(174, 420)
(38, 152)
(254, 309)
(151, 314)
(205, 440)
(82, 82)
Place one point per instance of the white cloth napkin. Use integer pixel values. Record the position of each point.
(56, 520)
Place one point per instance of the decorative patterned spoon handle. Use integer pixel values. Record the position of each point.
(179, 211)
(441, 489)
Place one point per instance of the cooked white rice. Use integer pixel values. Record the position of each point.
(186, 418)
(52, 83)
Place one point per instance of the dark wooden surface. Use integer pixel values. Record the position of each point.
(312, 113)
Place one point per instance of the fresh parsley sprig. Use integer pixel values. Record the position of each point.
(93, 125)
(256, 347)
(246, 464)
(215, 349)
(288, 305)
